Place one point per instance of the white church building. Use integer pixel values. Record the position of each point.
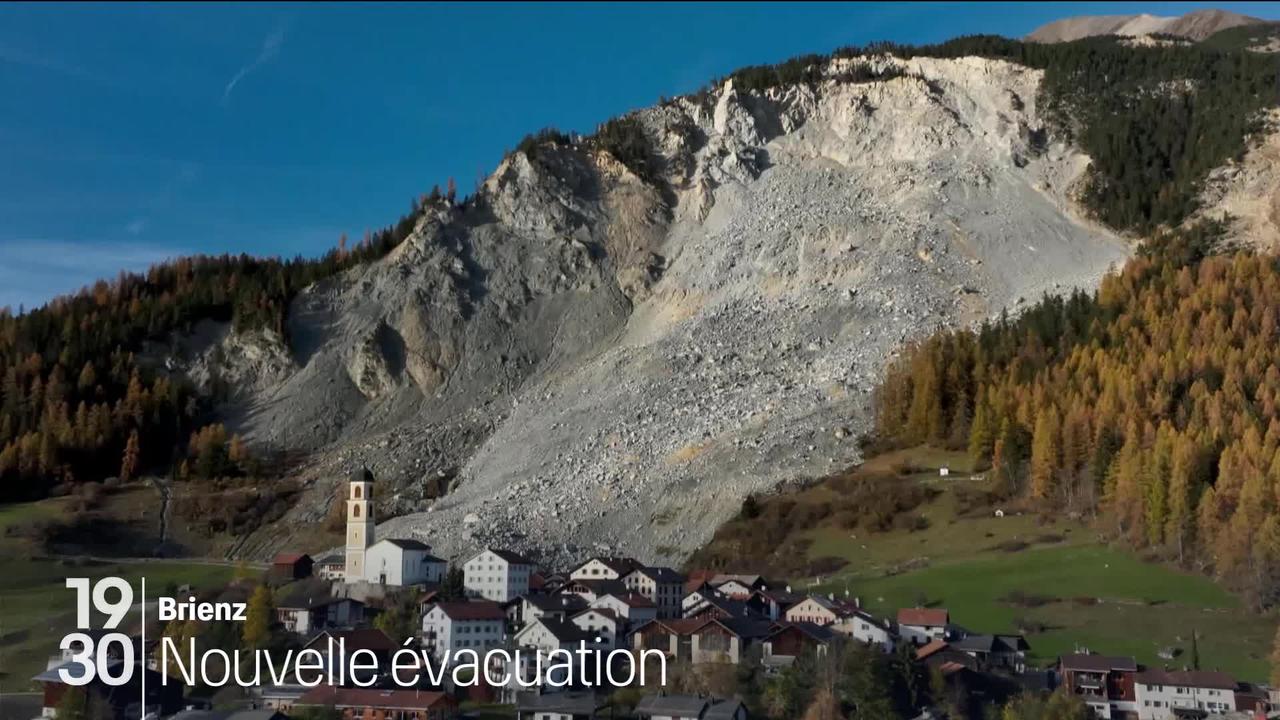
(391, 561)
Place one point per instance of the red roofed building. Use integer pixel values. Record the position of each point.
(291, 566)
(378, 704)
(1105, 683)
(919, 626)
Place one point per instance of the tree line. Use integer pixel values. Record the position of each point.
(76, 401)
(1152, 405)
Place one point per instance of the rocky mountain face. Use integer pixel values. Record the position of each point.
(1196, 25)
(593, 361)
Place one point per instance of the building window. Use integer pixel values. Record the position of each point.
(355, 511)
(356, 491)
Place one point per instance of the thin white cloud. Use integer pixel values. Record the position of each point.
(16, 56)
(32, 272)
(270, 49)
(136, 226)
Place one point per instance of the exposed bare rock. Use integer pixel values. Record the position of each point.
(1247, 193)
(1196, 25)
(591, 361)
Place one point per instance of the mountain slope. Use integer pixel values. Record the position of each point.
(605, 362)
(1196, 25)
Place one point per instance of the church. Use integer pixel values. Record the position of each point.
(392, 561)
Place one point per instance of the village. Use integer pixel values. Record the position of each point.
(622, 610)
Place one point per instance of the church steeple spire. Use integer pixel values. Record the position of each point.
(360, 522)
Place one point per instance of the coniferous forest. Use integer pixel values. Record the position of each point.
(1152, 406)
(77, 405)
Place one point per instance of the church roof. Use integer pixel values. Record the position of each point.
(362, 474)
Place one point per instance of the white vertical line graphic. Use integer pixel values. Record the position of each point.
(142, 667)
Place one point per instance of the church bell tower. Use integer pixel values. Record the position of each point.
(360, 522)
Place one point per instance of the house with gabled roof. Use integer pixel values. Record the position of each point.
(448, 627)
(634, 608)
(789, 640)
(995, 652)
(703, 640)
(591, 589)
(604, 568)
(773, 604)
(738, 587)
(919, 626)
(498, 575)
(289, 566)
(1160, 694)
(1106, 683)
(562, 605)
(722, 607)
(663, 585)
(544, 636)
(398, 562)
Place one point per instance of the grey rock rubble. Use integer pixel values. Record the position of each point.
(593, 364)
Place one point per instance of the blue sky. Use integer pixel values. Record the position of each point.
(134, 133)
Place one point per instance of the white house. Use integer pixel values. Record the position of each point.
(866, 628)
(662, 585)
(590, 590)
(543, 636)
(1159, 693)
(632, 608)
(448, 627)
(695, 601)
(819, 610)
(920, 626)
(497, 575)
(331, 567)
(308, 615)
(604, 568)
(603, 624)
(399, 562)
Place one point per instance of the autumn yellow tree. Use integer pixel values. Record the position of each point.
(129, 463)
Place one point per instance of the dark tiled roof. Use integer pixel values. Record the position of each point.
(555, 603)
(821, 633)
(695, 706)
(620, 565)
(722, 709)
(475, 610)
(511, 556)
(599, 586)
(407, 544)
(676, 706)
(747, 627)
(635, 600)
(561, 703)
(659, 574)
(564, 630)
